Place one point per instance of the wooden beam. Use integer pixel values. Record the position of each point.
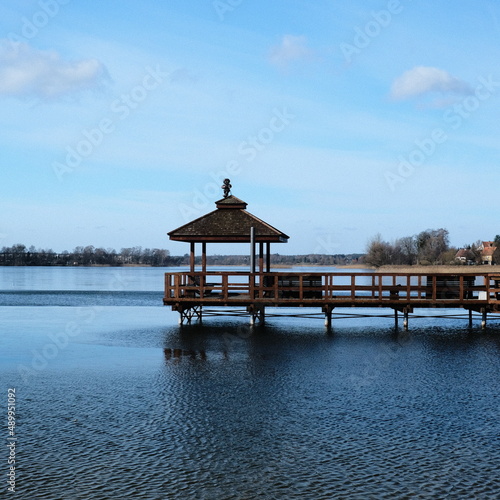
(204, 257)
(191, 257)
(252, 249)
(261, 256)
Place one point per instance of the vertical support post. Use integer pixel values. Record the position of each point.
(257, 314)
(396, 318)
(191, 257)
(405, 320)
(204, 257)
(328, 316)
(483, 319)
(252, 249)
(268, 257)
(470, 318)
(261, 257)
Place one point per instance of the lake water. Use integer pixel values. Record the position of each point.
(114, 400)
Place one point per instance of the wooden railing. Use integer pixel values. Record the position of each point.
(285, 288)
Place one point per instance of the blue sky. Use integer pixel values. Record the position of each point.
(335, 121)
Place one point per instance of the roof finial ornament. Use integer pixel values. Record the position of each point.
(226, 187)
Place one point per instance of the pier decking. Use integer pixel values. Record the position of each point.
(188, 292)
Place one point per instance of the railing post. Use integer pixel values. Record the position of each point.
(177, 286)
(225, 286)
(202, 284)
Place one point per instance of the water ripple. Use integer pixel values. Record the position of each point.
(279, 414)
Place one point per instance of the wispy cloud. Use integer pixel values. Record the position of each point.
(423, 80)
(28, 72)
(290, 49)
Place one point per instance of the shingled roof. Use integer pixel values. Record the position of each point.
(230, 222)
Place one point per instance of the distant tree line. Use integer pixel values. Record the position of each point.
(20, 255)
(428, 247)
(431, 246)
(289, 260)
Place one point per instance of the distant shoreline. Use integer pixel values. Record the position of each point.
(276, 266)
(459, 269)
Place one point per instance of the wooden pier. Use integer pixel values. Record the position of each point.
(189, 292)
(260, 288)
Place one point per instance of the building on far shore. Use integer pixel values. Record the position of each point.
(489, 253)
(465, 256)
(486, 253)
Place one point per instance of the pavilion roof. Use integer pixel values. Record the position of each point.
(230, 222)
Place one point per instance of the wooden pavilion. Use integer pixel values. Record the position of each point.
(230, 223)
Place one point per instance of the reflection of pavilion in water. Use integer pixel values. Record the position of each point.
(251, 292)
(184, 353)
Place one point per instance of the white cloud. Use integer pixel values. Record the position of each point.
(292, 48)
(423, 80)
(29, 72)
